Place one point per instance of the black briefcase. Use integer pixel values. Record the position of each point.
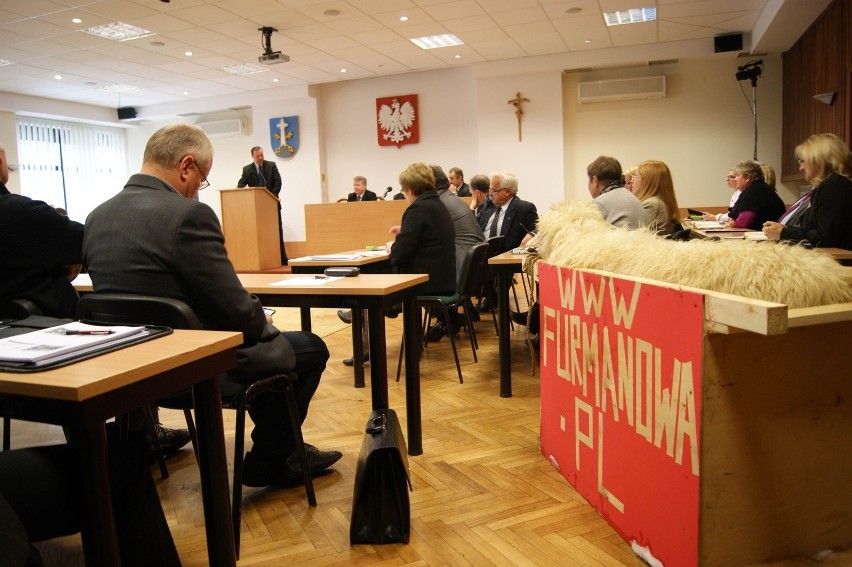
(380, 507)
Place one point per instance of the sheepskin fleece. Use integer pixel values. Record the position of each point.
(575, 235)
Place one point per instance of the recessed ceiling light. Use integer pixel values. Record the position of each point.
(574, 10)
(118, 88)
(77, 20)
(275, 80)
(188, 53)
(403, 18)
(435, 41)
(343, 70)
(118, 31)
(332, 12)
(458, 56)
(58, 77)
(185, 92)
(244, 69)
(4, 62)
(631, 16)
(588, 41)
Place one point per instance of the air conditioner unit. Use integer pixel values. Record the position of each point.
(223, 128)
(622, 89)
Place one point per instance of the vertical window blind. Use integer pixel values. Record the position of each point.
(70, 165)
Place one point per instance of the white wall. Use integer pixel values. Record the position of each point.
(448, 124)
(701, 129)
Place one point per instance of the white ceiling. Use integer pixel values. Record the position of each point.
(366, 38)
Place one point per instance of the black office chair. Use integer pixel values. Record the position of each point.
(19, 308)
(137, 309)
(466, 286)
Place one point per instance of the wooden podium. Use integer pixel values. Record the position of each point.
(250, 226)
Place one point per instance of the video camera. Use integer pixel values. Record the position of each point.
(750, 70)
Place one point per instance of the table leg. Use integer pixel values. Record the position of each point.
(411, 333)
(503, 279)
(305, 315)
(378, 358)
(100, 544)
(358, 347)
(214, 473)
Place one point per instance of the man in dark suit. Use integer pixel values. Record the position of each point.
(39, 251)
(154, 239)
(513, 217)
(360, 191)
(457, 184)
(261, 173)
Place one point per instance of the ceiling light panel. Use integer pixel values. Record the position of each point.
(631, 16)
(436, 41)
(119, 31)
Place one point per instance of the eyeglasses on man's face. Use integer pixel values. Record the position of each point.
(206, 183)
(492, 191)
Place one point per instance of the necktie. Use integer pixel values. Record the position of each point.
(493, 230)
(359, 197)
(260, 179)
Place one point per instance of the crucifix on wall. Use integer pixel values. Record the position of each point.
(519, 111)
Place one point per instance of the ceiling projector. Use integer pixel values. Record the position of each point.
(273, 58)
(269, 57)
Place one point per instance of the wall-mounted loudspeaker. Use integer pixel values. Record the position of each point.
(126, 113)
(728, 42)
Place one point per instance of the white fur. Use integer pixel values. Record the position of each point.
(574, 234)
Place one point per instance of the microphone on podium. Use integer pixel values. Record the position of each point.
(388, 190)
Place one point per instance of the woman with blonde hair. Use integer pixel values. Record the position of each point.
(628, 177)
(653, 186)
(826, 162)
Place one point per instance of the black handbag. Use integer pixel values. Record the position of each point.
(380, 507)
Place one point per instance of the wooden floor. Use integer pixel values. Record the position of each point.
(483, 493)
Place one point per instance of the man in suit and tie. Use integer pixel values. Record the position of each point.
(510, 216)
(262, 173)
(457, 184)
(360, 191)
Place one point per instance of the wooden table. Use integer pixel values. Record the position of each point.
(82, 396)
(375, 293)
(505, 266)
(838, 254)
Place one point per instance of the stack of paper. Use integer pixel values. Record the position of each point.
(756, 235)
(72, 339)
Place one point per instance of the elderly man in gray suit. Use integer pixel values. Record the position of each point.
(154, 239)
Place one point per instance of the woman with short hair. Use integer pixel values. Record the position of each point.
(758, 201)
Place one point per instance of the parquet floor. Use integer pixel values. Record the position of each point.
(483, 493)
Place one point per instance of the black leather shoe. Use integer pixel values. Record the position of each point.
(171, 440)
(259, 472)
(351, 361)
(345, 315)
(436, 332)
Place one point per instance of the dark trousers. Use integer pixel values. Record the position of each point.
(272, 435)
(41, 487)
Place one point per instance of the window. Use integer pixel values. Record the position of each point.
(70, 165)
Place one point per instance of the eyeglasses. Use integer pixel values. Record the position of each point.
(800, 160)
(731, 177)
(492, 191)
(206, 183)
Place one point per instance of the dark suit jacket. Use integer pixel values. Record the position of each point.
(827, 222)
(517, 213)
(36, 243)
(151, 240)
(270, 174)
(368, 196)
(426, 244)
(464, 190)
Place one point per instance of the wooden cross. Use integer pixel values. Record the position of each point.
(519, 111)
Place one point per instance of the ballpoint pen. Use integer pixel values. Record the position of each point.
(84, 332)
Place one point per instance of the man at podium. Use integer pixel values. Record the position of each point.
(262, 173)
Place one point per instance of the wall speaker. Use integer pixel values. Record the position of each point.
(728, 42)
(126, 113)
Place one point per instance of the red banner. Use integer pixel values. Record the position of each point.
(621, 403)
(397, 120)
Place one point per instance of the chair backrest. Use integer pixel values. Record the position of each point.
(472, 267)
(131, 309)
(495, 245)
(18, 308)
